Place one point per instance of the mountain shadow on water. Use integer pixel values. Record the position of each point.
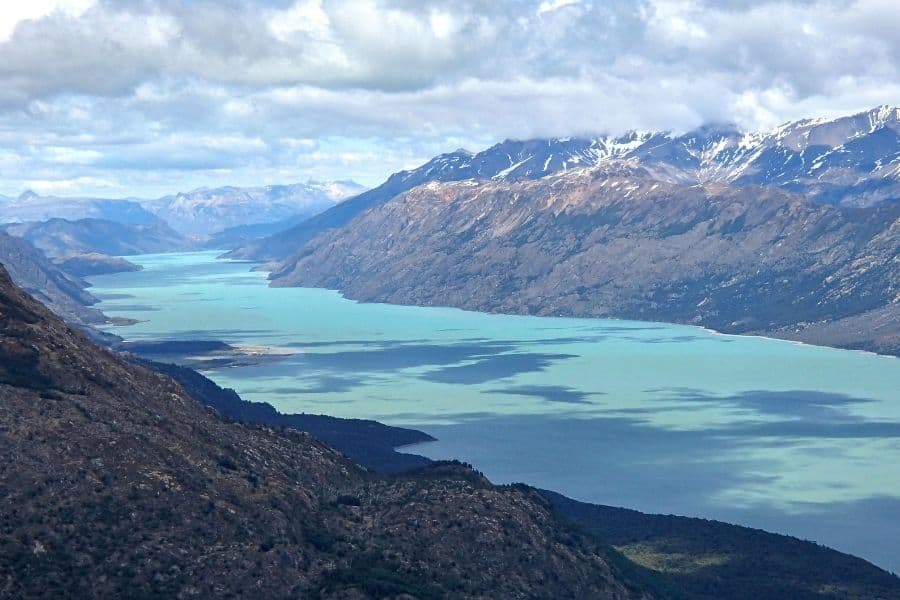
(369, 443)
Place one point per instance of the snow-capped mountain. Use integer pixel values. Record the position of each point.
(205, 211)
(853, 161)
(615, 241)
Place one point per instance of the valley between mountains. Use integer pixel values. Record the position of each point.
(126, 475)
(449, 300)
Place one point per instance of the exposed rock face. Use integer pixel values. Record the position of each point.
(113, 482)
(59, 237)
(614, 241)
(65, 294)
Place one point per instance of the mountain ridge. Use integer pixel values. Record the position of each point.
(206, 211)
(843, 172)
(66, 294)
(711, 153)
(199, 213)
(58, 237)
(613, 241)
(30, 207)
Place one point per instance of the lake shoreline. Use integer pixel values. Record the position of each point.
(639, 395)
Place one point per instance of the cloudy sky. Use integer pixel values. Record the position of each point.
(145, 97)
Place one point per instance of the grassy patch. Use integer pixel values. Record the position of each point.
(652, 557)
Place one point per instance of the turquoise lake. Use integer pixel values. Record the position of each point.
(661, 418)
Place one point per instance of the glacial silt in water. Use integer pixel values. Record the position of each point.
(657, 417)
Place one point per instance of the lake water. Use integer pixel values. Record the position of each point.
(657, 417)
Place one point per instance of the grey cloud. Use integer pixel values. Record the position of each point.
(113, 47)
(186, 89)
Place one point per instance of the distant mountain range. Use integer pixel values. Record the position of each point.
(30, 207)
(61, 237)
(48, 243)
(792, 232)
(204, 212)
(199, 214)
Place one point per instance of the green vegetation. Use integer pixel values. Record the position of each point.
(651, 557)
(707, 560)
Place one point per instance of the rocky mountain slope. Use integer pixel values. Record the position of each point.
(367, 442)
(614, 241)
(64, 293)
(853, 160)
(113, 483)
(61, 237)
(204, 211)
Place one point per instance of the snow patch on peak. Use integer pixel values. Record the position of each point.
(882, 116)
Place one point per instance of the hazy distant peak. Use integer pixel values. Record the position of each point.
(205, 211)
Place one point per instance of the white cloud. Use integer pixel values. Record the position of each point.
(69, 156)
(70, 186)
(551, 5)
(162, 94)
(15, 12)
(306, 17)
